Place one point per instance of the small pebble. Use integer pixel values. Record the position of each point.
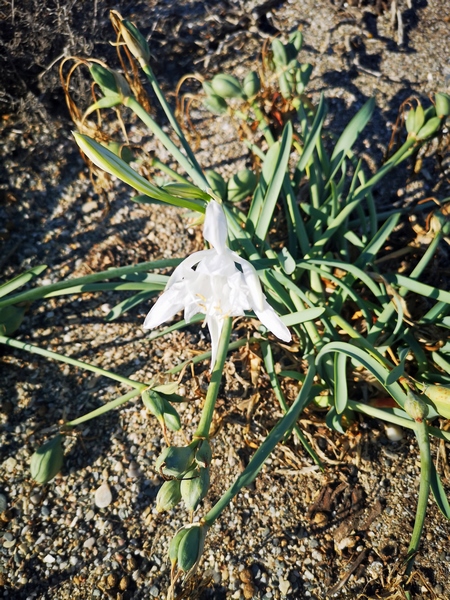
(284, 586)
(154, 591)
(9, 543)
(49, 559)
(103, 496)
(3, 503)
(89, 515)
(35, 498)
(394, 433)
(89, 542)
(10, 464)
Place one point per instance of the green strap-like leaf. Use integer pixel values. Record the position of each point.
(275, 185)
(20, 280)
(350, 135)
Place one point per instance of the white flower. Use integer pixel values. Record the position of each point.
(222, 285)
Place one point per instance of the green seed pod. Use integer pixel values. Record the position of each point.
(241, 185)
(168, 496)
(440, 396)
(419, 118)
(429, 113)
(203, 456)
(110, 82)
(174, 461)
(194, 487)
(285, 88)
(442, 105)
(410, 121)
(296, 39)
(251, 84)
(175, 544)
(135, 41)
(416, 407)
(171, 417)
(429, 129)
(153, 403)
(226, 86)
(207, 88)
(280, 56)
(120, 150)
(47, 461)
(190, 548)
(11, 318)
(303, 76)
(215, 104)
(217, 183)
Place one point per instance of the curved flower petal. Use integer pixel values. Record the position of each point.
(252, 281)
(272, 321)
(184, 269)
(168, 304)
(215, 229)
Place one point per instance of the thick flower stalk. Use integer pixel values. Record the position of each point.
(217, 283)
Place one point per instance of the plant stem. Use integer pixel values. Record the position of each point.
(169, 114)
(216, 377)
(197, 176)
(424, 491)
(262, 453)
(70, 361)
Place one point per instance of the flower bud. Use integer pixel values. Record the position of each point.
(135, 41)
(190, 547)
(416, 407)
(194, 487)
(241, 185)
(442, 105)
(440, 396)
(217, 183)
(47, 461)
(169, 495)
(226, 86)
(175, 461)
(203, 455)
(251, 84)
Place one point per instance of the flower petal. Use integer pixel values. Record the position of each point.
(215, 229)
(252, 281)
(272, 321)
(168, 304)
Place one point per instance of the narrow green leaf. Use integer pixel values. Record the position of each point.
(350, 135)
(438, 492)
(340, 382)
(128, 304)
(309, 314)
(275, 184)
(313, 135)
(20, 280)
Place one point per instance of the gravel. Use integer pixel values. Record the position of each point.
(296, 532)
